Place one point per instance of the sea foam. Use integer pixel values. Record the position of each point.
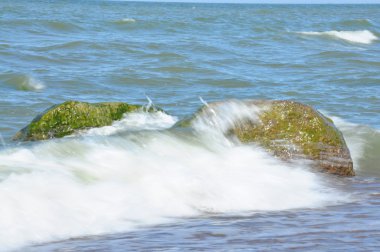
(362, 37)
(135, 122)
(92, 185)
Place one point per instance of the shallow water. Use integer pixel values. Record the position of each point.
(134, 184)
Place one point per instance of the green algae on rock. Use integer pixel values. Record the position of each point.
(64, 119)
(287, 129)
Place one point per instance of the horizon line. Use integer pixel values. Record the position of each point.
(257, 3)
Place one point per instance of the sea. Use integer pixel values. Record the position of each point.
(137, 185)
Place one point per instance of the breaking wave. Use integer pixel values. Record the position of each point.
(364, 144)
(125, 21)
(362, 37)
(22, 82)
(134, 174)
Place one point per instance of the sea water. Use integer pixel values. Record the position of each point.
(137, 185)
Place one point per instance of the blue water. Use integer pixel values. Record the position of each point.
(327, 56)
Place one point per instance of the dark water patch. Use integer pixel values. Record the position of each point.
(206, 19)
(142, 81)
(364, 63)
(358, 81)
(163, 56)
(183, 70)
(179, 25)
(15, 22)
(265, 29)
(353, 23)
(51, 58)
(293, 93)
(166, 56)
(35, 61)
(247, 43)
(71, 45)
(156, 46)
(4, 46)
(60, 26)
(118, 47)
(41, 24)
(336, 54)
(227, 83)
(265, 12)
(285, 65)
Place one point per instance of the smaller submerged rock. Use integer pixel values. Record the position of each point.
(66, 118)
(287, 129)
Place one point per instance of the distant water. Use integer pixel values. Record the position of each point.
(137, 186)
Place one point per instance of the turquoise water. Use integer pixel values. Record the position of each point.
(149, 189)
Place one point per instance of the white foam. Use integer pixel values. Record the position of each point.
(362, 37)
(135, 121)
(216, 119)
(61, 189)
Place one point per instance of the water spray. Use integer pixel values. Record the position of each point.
(150, 103)
(203, 101)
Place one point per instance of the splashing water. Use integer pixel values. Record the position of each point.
(203, 101)
(150, 103)
(86, 186)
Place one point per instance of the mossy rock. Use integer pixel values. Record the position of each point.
(66, 118)
(289, 130)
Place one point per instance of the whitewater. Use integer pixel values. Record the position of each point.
(141, 184)
(97, 185)
(363, 37)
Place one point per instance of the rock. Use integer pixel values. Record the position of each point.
(64, 119)
(289, 130)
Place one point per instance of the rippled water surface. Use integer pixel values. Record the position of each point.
(136, 186)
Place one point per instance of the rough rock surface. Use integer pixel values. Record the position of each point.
(290, 130)
(64, 119)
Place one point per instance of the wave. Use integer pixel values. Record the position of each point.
(364, 144)
(22, 82)
(125, 21)
(362, 37)
(97, 184)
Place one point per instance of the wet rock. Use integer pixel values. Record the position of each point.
(64, 119)
(287, 129)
